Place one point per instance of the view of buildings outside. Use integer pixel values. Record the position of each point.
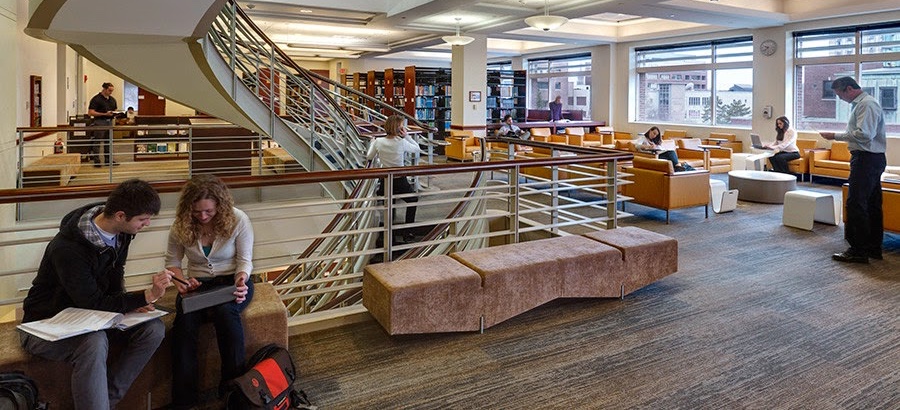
(568, 78)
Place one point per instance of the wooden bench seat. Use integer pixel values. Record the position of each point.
(51, 170)
(265, 322)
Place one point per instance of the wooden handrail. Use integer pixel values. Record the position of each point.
(592, 155)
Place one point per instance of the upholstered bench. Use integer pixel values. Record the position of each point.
(265, 321)
(51, 170)
(519, 277)
(425, 295)
(647, 256)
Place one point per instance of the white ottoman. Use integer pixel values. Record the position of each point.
(802, 208)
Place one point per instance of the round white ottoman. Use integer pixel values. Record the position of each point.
(760, 186)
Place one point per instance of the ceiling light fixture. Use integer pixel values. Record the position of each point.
(458, 40)
(546, 22)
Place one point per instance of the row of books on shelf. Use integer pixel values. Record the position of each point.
(424, 102)
(503, 104)
(162, 147)
(426, 89)
(425, 114)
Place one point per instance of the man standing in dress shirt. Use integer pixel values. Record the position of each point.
(865, 137)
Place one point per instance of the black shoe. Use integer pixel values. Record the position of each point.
(115, 164)
(97, 164)
(875, 255)
(849, 257)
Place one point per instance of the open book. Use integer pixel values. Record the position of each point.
(76, 321)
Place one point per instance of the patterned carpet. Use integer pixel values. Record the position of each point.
(758, 316)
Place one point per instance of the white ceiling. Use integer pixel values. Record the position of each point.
(322, 30)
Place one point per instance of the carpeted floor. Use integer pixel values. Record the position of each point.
(758, 316)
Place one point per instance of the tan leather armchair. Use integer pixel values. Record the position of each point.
(718, 159)
(598, 139)
(890, 204)
(674, 134)
(541, 134)
(689, 151)
(462, 145)
(725, 140)
(833, 162)
(657, 185)
(801, 165)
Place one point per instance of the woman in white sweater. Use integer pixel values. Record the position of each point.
(217, 240)
(784, 147)
(391, 150)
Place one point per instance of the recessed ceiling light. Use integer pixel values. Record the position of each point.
(306, 11)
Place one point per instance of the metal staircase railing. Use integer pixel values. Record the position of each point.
(335, 122)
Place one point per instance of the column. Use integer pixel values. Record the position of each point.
(469, 74)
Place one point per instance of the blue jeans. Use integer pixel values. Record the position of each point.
(226, 319)
(99, 381)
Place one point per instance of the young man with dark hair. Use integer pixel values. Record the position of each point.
(510, 130)
(102, 109)
(84, 266)
(865, 137)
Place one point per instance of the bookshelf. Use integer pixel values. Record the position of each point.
(505, 95)
(424, 93)
(375, 87)
(393, 88)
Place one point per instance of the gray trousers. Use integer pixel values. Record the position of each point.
(94, 384)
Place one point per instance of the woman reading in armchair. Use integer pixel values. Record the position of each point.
(653, 143)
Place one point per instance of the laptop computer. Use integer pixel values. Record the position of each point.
(755, 142)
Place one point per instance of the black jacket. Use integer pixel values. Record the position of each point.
(79, 270)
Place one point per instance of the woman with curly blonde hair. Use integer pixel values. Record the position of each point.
(217, 240)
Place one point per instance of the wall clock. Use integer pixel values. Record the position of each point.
(768, 47)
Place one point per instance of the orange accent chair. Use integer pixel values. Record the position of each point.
(657, 185)
(462, 145)
(725, 140)
(801, 165)
(718, 159)
(890, 204)
(833, 162)
(674, 134)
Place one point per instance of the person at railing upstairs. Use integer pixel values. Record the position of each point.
(653, 143)
(391, 150)
(784, 148)
(84, 267)
(217, 240)
(510, 130)
(102, 110)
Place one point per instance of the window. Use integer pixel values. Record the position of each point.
(889, 98)
(568, 77)
(870, 54)
(677, 84)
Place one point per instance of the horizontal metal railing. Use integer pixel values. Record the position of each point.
(466, 206)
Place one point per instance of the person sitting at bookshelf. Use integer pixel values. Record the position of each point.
(84, 267)
(510, 130)
(217, 240)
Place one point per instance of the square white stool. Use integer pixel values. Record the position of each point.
(722, 200)
(803, 208)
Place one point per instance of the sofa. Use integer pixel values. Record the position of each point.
(657, 185)
(462, 145)
(831, 162)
